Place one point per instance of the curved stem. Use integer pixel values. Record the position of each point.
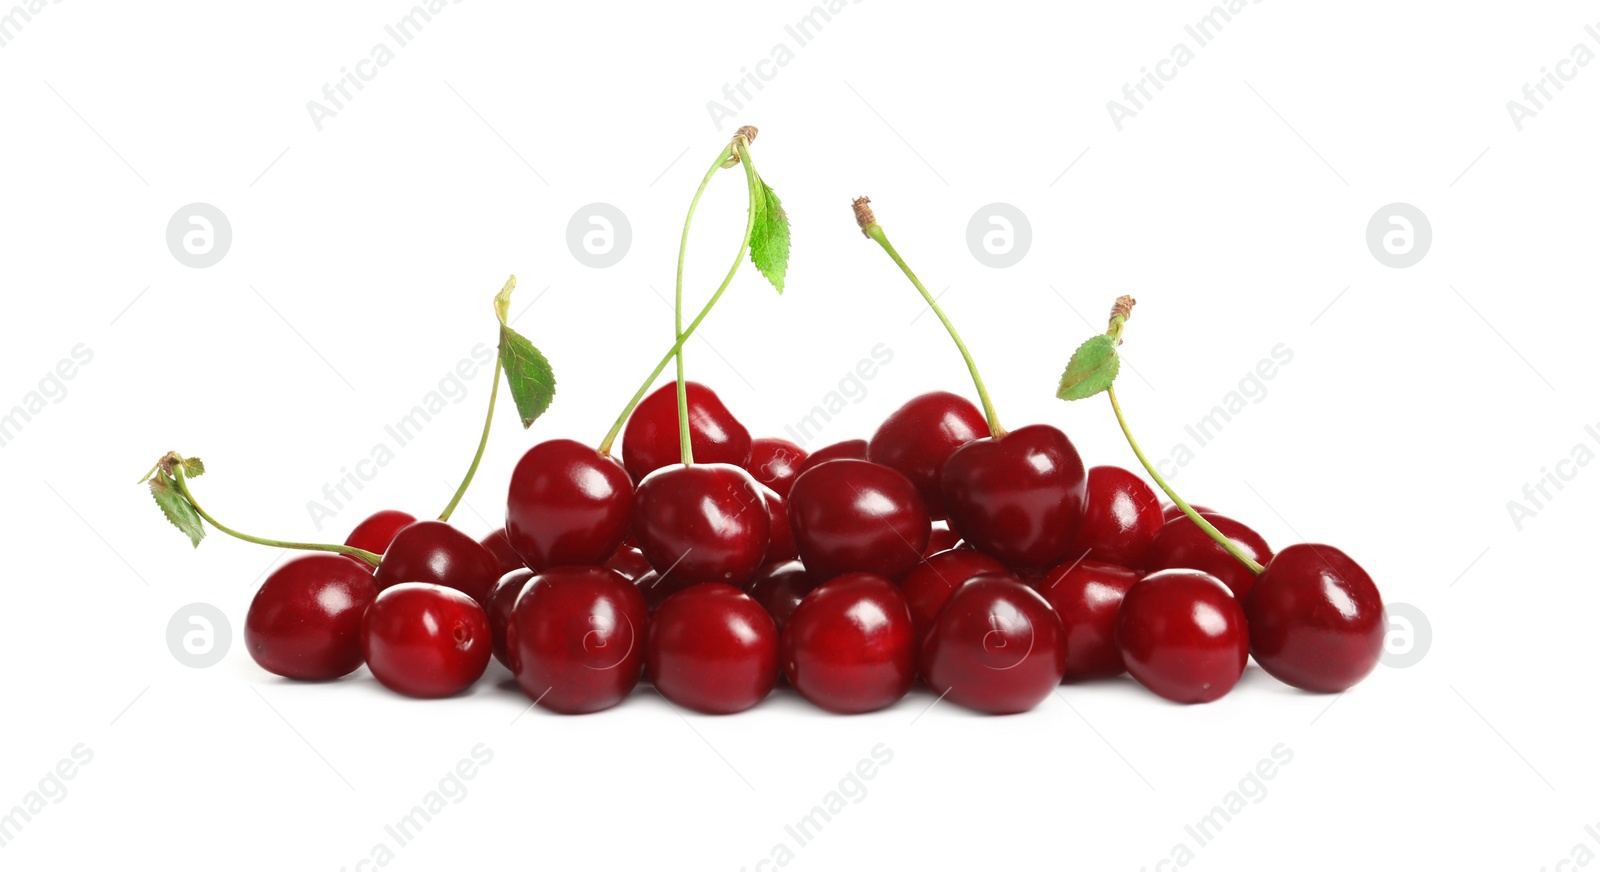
(686, 450)
(1226, 543)
(183, 489)
(483, 442)
(875, 232)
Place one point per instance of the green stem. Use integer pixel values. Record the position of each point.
(483, 442)
(1226, 543)
(874, 231)
(686, 450)
(183, 490)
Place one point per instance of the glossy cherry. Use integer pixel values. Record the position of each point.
(996, 646)
(780, 542)
(505, 557)
(1019, 498)
(1122, 516)
(656, 589)
(933, 580)
(376, 532)
(918, 438)
(501, 601)
(713, 649)
(1316, 619)
(702, 523)
(858, 516)
(305, 621)
(629, 563)
(850, 449)
(577, 637)
(650, 441)
(568, 505)
(1181, 544)
(779, 588)
(1087, 596)
(1171, 510)
(850, 646)
(426, 640)
(775, 463)
(1183, 635)
(433, 552)
(941, 538)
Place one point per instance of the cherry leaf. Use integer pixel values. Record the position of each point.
(769, 235)
(1092, 369)
(176, 508)
(528, 373)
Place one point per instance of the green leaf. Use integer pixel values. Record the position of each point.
(176, 508)
(1092, 369)
(769, 236)
(528, 373)
(193, 468)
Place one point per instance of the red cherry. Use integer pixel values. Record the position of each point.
(433, 552)
(850, 646)
(780, 543)
(1316, 619)
(1183, 635)
(577, 636)
(1171, 510)
(701, 523)
(931, 583)
(505, 557)
(650, 441)
(996, 646)
(629, 563)
(917, 438)
(779, 588)
(305, 621)
(942, 538)
(850, 449)
(501, 601)
(858, 516)
(1019, 498)
(376, 532)
(568, 505)
(425, 640)
(1087, 596)
(1122, 515)
(1181, 544)
(713, 649)
(775, 463)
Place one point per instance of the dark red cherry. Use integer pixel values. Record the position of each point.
(1019, 498)
(941, 538)
(933, 580)
(629, 563)
(1181, 544)
(713, 649)
(780, 543)
(917, 439)
(1122, 515)
(996, 646)
(376, 532)
(850, 449)
(568, 505)
(505, 557)
(578, 639)
(1316, 619)
(779, 588)
(850, 646)
(1171, 510)
(501, 601)
(857, 516)
(426, 640)
(701, 523)
(1183, 635)
(1087, 596)
(656, 589)
(650, 441)
(433, 552)
(775, 463)
(305, 621)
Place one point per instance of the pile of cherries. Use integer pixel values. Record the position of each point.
(992, 567)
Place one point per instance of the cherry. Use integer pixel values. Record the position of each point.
(650, 441)
(433, 552)
(858, 516)
(425, 640)
(505, 557)
(1170, 511)
(996, 646)
(1019, 498)
(376, 532)
(629, 563)
(305, 621)
(713, 649)
(779, 588)
(775, 463)
(701, 523)
(501, 601)
(1316, 619)
(850, 646)
(1183, 635)
(1181, 544)
(1087, 596)
(780, 542)
(942, 538)
(931, 583)
(577, 637)
(656, 589)
(568, 505)
(917, 439)
(850, 449)
(1121, 516)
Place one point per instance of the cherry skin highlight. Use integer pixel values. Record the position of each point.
(1122, 516)
(713, 649)
(918, 438)
(650, 441)
(568, 505)
(376, 532)
(1183, 635)
(577, 637)
(779, 588)
(629, 563)
(858, 516)
(850, 646)
(996, 647)
(1181, 544)
(932, 581)
(433, 552)
(305, 621)
(775, 463)
(850, 449)
(702, 523)
(942, 538)
(1316, 619)
(501, 601)
(1019, 498)
(426, 640)
(1087, 596)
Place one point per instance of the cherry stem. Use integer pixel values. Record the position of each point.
(183, 490)
(483, 442)
(874, 231)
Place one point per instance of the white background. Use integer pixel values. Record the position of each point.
(1418, 403)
